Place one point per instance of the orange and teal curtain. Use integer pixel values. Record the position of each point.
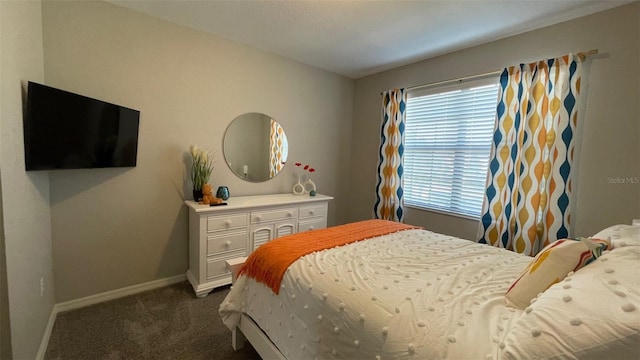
(388, 205)
(526, 204)
(276, 146)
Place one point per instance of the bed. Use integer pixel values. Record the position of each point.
(417, 294)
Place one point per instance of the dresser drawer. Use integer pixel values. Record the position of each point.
(312, 224)
(258, 217)
(226, 222)
(313, 211)
(217, 268)
(229, 242)
(216, 265)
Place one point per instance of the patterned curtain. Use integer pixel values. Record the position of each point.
(388, 205)
(526, 204)
(276, 144)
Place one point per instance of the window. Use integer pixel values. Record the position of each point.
(447, 146)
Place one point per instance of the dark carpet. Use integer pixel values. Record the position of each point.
(165, 323)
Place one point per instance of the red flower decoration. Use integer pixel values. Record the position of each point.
(306, 167)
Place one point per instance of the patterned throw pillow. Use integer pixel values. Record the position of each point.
(551, 265)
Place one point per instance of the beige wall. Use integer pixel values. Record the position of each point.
(114, 228)
(5, 319)
(5, 328)
(607, 138)
(25, 196)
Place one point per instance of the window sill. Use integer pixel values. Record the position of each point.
(468, 217)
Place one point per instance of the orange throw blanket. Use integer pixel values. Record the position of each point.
(268, 263)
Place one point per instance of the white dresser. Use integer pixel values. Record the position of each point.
(219, 233)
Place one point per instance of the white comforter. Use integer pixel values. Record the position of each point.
(412, 294)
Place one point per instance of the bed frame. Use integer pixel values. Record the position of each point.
(247, 329)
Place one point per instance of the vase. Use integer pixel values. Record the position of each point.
(298, 188)
(197, 195)
(223, 193)
(309, 187)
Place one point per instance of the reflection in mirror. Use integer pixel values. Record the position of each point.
(255, 147)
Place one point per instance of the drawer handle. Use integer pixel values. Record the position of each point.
(310, 227)
(258, 218)
(289, 214)
(311, 212)
(227, 243)
(227, 223)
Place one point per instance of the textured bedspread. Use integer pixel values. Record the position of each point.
(270, 261)
(412, 294)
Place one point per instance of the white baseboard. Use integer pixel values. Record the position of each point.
(98, 298)
(44, 343)
(118, 293)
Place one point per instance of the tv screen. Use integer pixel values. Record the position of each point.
(63, 130)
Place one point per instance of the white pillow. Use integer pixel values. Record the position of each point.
(593, 313)
(620, 235)
(606, 232)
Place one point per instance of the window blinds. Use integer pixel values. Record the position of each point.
(447, 146)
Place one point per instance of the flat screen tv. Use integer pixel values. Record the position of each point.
(63, 130)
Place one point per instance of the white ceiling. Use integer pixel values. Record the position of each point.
(360, 38)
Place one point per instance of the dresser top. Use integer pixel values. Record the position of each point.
(255, 201)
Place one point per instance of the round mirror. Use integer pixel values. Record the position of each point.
(255, 147)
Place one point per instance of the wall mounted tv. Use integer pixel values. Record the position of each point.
(63, 130)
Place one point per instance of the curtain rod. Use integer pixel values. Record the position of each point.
(466, 78)
(584, 54)
(581, 55)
